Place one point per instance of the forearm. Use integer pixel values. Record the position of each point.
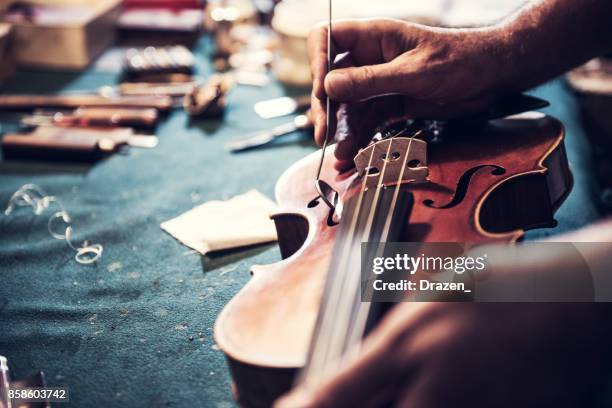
(549, 37)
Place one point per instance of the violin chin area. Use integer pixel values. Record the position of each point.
(522, 202)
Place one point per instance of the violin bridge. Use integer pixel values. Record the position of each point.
(389, 161)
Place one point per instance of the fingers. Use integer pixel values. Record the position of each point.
(384, 362)
(317, 53)
(419, 395)
(360, 83)
(359, 384)
(369, 42)
(343, 165)
(319, 116)
(319, 107)
(358, 122)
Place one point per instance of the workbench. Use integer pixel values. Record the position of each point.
(136, 329)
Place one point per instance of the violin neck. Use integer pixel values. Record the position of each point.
(376, 215)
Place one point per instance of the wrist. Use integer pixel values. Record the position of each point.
(505, 52)
(484, 60)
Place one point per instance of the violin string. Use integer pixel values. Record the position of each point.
(328, 313)
(339, 321)
(327, 113)
(358, 329)
(355, 332)
(335, 285)
(343, 315)
(315, 362)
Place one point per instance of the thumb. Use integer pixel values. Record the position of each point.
(359, 83)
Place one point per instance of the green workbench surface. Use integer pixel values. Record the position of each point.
(136, 329)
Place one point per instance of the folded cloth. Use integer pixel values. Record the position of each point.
(240, 221)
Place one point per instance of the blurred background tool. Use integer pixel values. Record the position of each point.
(286, 105)
(251, 78)
(241, 44)
(208, 100)
(174, 89)
(71, 144)
(221, 18)
(83, 100)
(261, 139)
(158, 60)
(100, 117)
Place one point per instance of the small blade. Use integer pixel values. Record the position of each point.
(260, 139)
(251, 142)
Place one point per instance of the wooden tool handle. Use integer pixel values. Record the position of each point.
(76, 101)
(118, 117)
(59, 147)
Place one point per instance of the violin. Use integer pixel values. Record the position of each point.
(297, 319)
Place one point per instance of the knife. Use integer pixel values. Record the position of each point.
(259, 139)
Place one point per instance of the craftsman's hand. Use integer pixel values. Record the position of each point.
(440, 355)
(398, 70)
(439, 73)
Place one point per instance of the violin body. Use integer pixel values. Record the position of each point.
(487, 186)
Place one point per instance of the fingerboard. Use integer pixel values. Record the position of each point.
(340, 323)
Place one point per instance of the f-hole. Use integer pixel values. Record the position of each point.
(330, 216)
(463, 185)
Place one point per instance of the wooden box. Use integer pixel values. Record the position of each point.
(68, 35)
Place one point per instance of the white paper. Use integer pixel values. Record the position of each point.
(215, 225)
